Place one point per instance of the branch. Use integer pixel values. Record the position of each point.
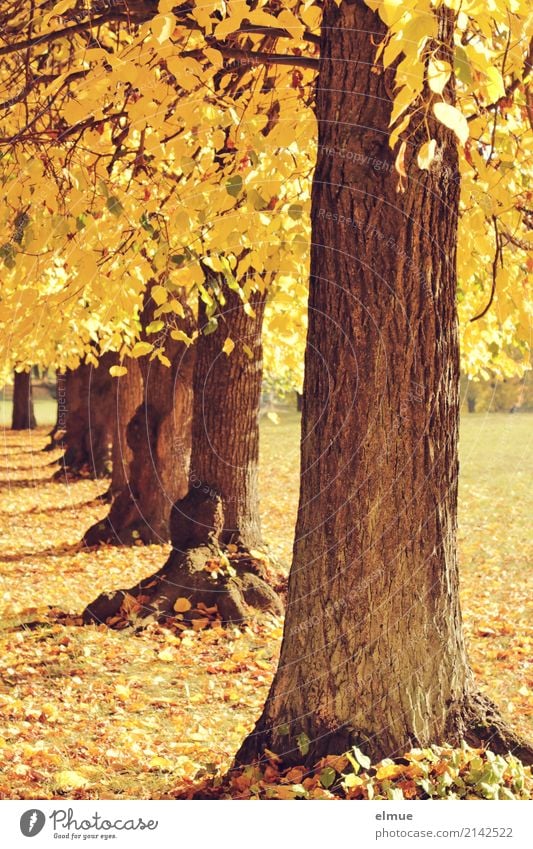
(275, 32)
(46, 38)
(255, 58)
(518, 243)
(44, 78)
(109, 17)
(497, 258)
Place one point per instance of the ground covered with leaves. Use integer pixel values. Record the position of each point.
(98, 713)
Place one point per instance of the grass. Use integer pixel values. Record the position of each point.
(45, 412)
(93, 713)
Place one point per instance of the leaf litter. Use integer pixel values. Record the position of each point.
(99, 713)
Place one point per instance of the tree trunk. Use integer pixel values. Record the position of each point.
(221, 507)
(23, 417)
(127, 393)
(88, 421)
(158, 436)
(373, 651)
(128, 396)
(225, 443)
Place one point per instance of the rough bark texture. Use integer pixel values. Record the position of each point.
(128, 395)
(23, 417)
(158, 436)
(87, 437)
(221, 506)
(225, 432)
(373, 650)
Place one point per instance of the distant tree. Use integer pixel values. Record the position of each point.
(23, 417)
(87, 437)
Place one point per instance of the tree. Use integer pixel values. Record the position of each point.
(157, 473)
(23, 417)
(89, 418)
(373, 652)
(220, 508)
(128, 397)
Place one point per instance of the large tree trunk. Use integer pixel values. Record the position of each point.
(23, 417)
(127, 391)
(158, 435)
(221, 507)
(127, 397)
(88, 421)
(225, 432)
(373, 651)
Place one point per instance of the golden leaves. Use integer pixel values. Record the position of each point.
(426, 154)
(452, 118)
(228, 346)
(438, 74)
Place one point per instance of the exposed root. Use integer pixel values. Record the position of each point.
(478, 722)
(196, 586)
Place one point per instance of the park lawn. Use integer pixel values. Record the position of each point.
(45, 412)
(94, 713)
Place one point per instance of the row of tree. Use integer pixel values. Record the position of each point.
(373, 651)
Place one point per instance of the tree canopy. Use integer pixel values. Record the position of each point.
(163, 142)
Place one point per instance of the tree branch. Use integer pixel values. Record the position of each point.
(255, 58)
(497, 258)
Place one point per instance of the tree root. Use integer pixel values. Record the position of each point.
(198, 585)
(124, 524)
(475, 721)
(478, 722)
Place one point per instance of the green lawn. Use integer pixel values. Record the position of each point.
(45, 412)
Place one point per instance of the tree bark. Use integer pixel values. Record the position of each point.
(225, 443)
(158, 435)
(88, 421)
(373, 651)
(23, 417)
(221, 506)
(127, 396)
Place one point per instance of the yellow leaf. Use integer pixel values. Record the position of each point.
(118, 371)
(495, 84)
(453, 119)
(439, 73)
(180, 336)
(159, 294)
(122, 692)
(228, 346)
(162, 27)
(167, 655)
(68, 779)
(141, 348)
(248, 351)
(163, 359)
(162, 764)
(182, 605)
(426, 154)
(390, 771)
